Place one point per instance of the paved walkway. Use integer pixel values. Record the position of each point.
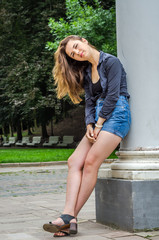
(31, 196)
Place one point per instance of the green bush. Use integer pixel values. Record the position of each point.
(95, 24)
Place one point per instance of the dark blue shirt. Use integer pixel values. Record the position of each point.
(113, 81)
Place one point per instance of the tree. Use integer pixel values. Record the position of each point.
(26, 85)
(93, 23)
(105, 4)
(27, 93)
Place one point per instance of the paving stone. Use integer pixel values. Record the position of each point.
(81, 236)
(36, 195)
(144, 234)
(154, 238)
(129, 238)
(116, 233)
(90, 237)
(91, 228)
(17, 236)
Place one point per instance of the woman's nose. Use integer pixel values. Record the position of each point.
(76, 51)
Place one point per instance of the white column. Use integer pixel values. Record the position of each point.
(127, 194)
(138, 50)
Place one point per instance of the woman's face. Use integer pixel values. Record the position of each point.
(78, 50)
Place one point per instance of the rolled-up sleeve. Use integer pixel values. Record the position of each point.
(89, 106)
(113, 69)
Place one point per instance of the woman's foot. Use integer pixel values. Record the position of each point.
(61, 223)
(66, 232)
(58, 222)
(62, 233)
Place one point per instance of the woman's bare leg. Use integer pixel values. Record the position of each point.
(83, 166)
(104, 146)
(75, 164)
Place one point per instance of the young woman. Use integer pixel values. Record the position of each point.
(78, 66)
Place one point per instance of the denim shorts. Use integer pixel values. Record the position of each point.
(120, 120)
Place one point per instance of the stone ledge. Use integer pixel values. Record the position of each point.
(32, 164)
(105, 173)
(39, 164)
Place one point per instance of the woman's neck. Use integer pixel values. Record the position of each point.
(94, 57)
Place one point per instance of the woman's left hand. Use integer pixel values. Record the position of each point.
(96, 132)
(98, 127)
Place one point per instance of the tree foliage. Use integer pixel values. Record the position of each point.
(95, 24)
(26, 85)
(27, 93)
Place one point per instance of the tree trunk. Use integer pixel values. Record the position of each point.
(11, 130)
(29, 131)
(6, 130)
(19, 130)
(52, 132)
(44, 131)
(1, 131)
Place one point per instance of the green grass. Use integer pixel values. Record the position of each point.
(36, 155)
(113, 155)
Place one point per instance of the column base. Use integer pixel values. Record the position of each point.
(127, 204)
(136, 165)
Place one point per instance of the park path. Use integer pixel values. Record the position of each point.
(31, 196)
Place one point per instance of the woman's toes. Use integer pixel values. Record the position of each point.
(58, 222)
(61, 234)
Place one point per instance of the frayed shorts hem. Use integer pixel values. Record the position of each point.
(113, 132)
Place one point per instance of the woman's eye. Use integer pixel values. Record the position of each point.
(76, 45)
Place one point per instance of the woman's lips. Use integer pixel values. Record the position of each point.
(81, 54)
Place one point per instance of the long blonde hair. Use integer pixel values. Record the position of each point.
(68, 73)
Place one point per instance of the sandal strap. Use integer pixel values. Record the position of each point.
(66, 218)
(66, 233)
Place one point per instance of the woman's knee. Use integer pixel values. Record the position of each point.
(90, 163)
(70, 161)
(73, 163)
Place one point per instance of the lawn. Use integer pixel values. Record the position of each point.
(36, 155)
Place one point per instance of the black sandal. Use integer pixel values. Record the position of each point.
(53, 228)
(65, 234)
(73, 228)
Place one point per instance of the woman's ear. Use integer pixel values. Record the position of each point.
(84, 40)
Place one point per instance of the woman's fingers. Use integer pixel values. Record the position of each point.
(91, 132)
(96, 132)
(90, 135)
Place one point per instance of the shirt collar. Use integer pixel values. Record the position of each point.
(102, 57)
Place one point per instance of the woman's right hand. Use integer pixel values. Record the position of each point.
(90, 134)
